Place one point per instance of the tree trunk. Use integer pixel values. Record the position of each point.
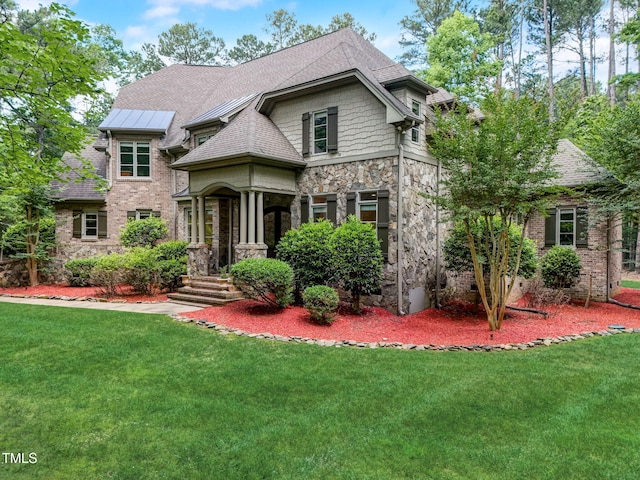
(637, 259)
(581, 57)
(547, 36)
(611, 89)
(31, 244)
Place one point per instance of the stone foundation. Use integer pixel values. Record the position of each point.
(251, 250)
(198, 261)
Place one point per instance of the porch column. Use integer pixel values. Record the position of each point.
(194, 225)
(252, 217)
(201, 212)
(243, 217)
(260, 218)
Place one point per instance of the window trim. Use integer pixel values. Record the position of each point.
(135, 165)
(360, 202)
(559, 212)
(208, 222)
(313, 205)
(314, 139)
(84, 235)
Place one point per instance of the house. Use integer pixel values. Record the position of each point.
(233, 157)
(574, 223)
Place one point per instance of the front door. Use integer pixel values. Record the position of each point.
(277, 222)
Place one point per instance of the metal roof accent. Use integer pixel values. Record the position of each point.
(220, 111)
(120, 119)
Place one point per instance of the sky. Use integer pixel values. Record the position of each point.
(140, 21)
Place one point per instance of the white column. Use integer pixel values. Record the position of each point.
(260, 218)
(252, 217)
(194, 223)
(243, 217)
(201, 230)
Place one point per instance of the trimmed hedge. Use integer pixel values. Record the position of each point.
(78, 272)
(143, 233)
(265, 279)
(560, 267)
(321, 302)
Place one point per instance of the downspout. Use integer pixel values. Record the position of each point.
(174, 189)
(400, 217)
(110, 165)
(607, 289)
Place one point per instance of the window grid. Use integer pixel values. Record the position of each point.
(318, 207)
(135, 159)
(208, 225)
(368, 207)
(415, 131)
(320, 132)
(566, 227)
(90, 225)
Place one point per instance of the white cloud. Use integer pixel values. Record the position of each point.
(161, 11)
(35, 4)
(172, 7)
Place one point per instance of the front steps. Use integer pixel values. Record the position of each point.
(206, 291)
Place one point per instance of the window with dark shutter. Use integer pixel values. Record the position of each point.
(351, 203)
(306, 133)
(332, 129)
(102, 224)
(304, 209)
(332, 208)
(383, 222)
(582, 227)
(77, 224)
(550, 229)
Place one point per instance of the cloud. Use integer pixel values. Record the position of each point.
(36, 4)
(172, 7)
(161, 11)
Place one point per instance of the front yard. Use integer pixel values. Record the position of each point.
(112, 395)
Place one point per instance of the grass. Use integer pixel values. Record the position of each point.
(630, 284)
(109, 395)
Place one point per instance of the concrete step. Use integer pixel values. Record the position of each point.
(199, 300)
(214, 293)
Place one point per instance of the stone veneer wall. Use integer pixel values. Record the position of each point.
(419, 217)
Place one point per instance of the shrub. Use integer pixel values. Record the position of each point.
(173, 250)
(358, 258)
(14, 239)
(267, 279)
(170, 274)
(143, 233)
(560, 267)
(321, 302)
(108, 273)
(141, 271)
(78, 272)
(308, 252)
(539, 296)
(457, 254)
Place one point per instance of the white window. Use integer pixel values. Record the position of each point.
(320, 132)
(200, 139)
(90, 225)
(368, 207)
(135, 159)
(318, 207)
(566, 227)
(415, 131)
(208, 225)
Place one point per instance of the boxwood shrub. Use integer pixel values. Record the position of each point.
(265, 279)
(321, 301)
(560, 267)
(78, 271)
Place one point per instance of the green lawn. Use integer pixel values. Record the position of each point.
(630, 284)
(120, 396)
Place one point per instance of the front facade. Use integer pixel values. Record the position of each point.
(233, 157)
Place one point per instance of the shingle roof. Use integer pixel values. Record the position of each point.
(87, 189)
(574, 166)
(193, 91)
(220, 111)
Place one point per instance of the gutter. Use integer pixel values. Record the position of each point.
(174, 187)
(110, 166)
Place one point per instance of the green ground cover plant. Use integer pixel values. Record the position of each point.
(102, 394)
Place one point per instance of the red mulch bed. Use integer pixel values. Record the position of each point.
(456, 324)
(67, 291)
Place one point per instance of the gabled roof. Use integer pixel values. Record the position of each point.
(574, 166)
(123, 119)
(251, 134)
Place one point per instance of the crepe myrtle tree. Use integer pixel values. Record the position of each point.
(498, 174)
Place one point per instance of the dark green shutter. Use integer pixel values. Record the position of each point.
(582, 227)
(332, 208)
(383, 222)
(306, 133)
(550, 229)
(351, 203)
(332, 129)
(77, 224)
(304, 209)
(131, 215)
(102, 224)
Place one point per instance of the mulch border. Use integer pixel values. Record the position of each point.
(76, 299)
(540, 342)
